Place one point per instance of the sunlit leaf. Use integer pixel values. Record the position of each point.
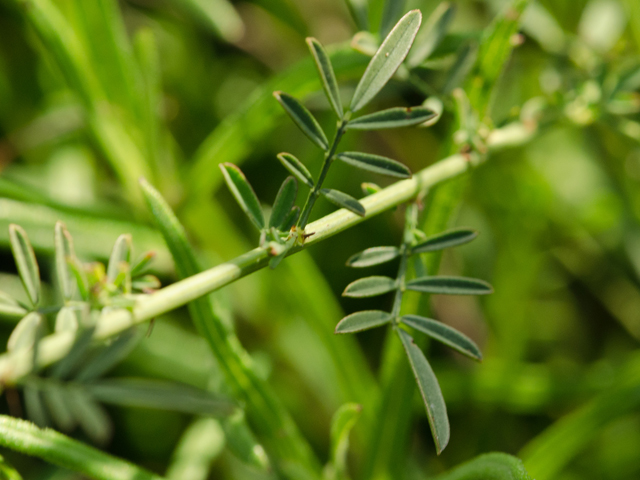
(343, 200)
(370, 287)
(373, 256)
(244, 194)
(64, 251)
(284, 202)
(431, 33)
(303, 119)
(25, 333)
(375, 163)
(10, 307)
(445, 334)
(356, 322)
(450, 285)
(387, 59)
(444, 240)
(26, 263)
(430, 391)
(296, 168)
(341, 424)
(325, 70)
(120, 257)
(392, 118)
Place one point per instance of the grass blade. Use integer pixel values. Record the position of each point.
(303, 119)
(26, 263)
(343, 200)
(373, 256)
(445, 334)
(244, 194)
(430, 391)
(325, 70)
(431, 33)
(387, 59)
(375, 164)
(392, 118)
(284, 202)
(296, 168)
(356, 322)
(120, 257)
(370, 287)
(450, 285)
(444, 240)
(63, 251)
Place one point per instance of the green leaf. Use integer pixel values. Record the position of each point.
(373, 256)
(465, 58)
(66, 320)
(290, 220)
(445, 334)
(365, 43)
(108, 357)
(431, 34)
(275, 261)
(26, 332)
(341, 424)
(91, 417)
(370, 287)
(55, 398)
(303, 119)
(444, 240)
(325, 70)
(244, 194)
(242, 442)
(375, 163)
(76, 356)
(161, 395)
(392, 118)
(120, 257)
(7, 472)
(25, 259)
(387, 59)
(10, 307)
(356, 322)
(430, 391)
(284, 202)
(34, 405)
(493, 466)
(392, 11)
(77, 269)
(360, 13)
(146, 283)
(64, 251)
(296, 168)
(369, 188)
(142, 263)
(450, 285)
(343, 200)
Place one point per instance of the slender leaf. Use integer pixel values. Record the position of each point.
(387, 59)
(450, 285)
(55, 398)
(296, 168)
(373, 256)
(392, 118)
(77, 269)
(142, 263)
(108, 357)
(356, 322)
(10, 307)
(445, 334)
(430, 391)
(244, 194)
(303, 119)
(26, 263)
(34, 405)
(431, 34)
(341, 424)
(290, 220)
(66, 320)
(91, 417)
(343, 200)
(25, 333)
(375, 163)
(370, 287)
(284, 202)
(120, 257)
(444, 240)
(63, 250)
(325, 70)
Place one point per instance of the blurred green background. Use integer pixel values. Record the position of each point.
(167, 89)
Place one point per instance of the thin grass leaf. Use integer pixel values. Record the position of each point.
(156, 394)
(243, 193)
(450, 285)
(370, 287)
(444, 240)
(431, 34)
(387, 59)
(26, 263)
(34, 405)
(120, 257)
(91, 417)
(63, 251)
(325, 70)
(109, 357)
(373, 256)
(303, 119)
(341, 424)
(375, 163)
(430, 391)
(66, 320)
(55, 398)
(10, 307)
(445, 334)
(26, 332)
(392, 118)
(359, 321)
(296, 168)
(290, 220)
(284, 202)
(343, 200)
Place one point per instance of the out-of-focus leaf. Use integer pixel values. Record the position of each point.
(602, 24)
(219, 16)
(25, 333)
(360, 13)
(445, 334)
(450, 285)
(244, 194)
(90, 415)
(287, 11)
(465, 59)
(275, 261)
(341, 424)
(7, 472)
(356, 322)
(146, 283)
(77, 269)
(242, 442)
(444, 240)
(284, 202)
(57, 402)
(369, 188)
(430, 391)
(390, 15)
(343, 200)
(63, 250)
(142, 263)
(392, 118)
(325, 70)
(375, 163)
(76, 355)
(490, 466)
(435, 105)
(297, 168)
(11, 308)
(370, 287)
(200, 444)
(373, 256)
(120, 257)
(108, 357)
(66, 320)
(365, 43)
(431, 33)
(290, 220)
(26, 263)
(303, 119)
(36, 410)
(387, 59)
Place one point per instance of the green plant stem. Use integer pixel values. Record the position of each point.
(63, 451)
